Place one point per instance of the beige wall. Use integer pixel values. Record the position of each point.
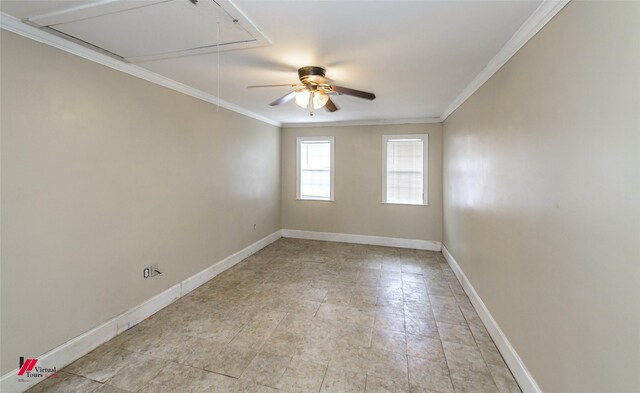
(358, 186)
(542, 198)
(102, 174)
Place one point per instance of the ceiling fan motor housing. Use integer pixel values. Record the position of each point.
(311, 75)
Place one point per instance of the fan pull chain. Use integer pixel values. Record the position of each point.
(218, 60)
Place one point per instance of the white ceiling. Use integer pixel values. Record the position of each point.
(416, 56)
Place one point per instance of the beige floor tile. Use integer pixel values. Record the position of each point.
(388, 340)
(473, 381)
(414, 297)
(448, 314)
(385, 385)
(385, 321)
(108, 389)
(178, 348)
(439, 300)
(354, 335)
(317, 348)
(100, 364)
(390, 289)
(247, 386)
(283, 343)
(350, 358)
(180, 378)
(425, 348)
(469, 371)
(313, 294)
(360, 300)
(418, 286)
(442, 289)
(302, 376)
(219, 330)
(390, 364)
(471, 315)
(267, 369)
(427, 375)
(480, 334)
(338, 297)
(197, 352)
(490, 354)
(459, 334)
(307, 316)
(256, 332)
(412, 277)
(463, 357)
(346, 314)
(139, 370)
(307, 308)
(504, 379)
(340, 381)
(65, 383)
(231, 359)
(422, 327)
(418, 310)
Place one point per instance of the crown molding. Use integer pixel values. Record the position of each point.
(15, 25)
(538, 19)
(379, 122)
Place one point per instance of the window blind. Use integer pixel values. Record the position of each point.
(315, 169)
(405, 170)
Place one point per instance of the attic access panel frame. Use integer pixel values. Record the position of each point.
(70, 22)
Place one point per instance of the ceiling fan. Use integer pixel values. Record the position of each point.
(314, 90)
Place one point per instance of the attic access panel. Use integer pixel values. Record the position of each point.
(139, 31)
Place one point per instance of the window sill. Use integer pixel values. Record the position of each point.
(315, 200)
(404, 204)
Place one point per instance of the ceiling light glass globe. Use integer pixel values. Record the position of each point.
(302, 98)
(320, 98)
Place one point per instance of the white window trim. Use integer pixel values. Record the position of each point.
(331, 171)
(425, 173)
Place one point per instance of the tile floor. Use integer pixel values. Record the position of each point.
(306, 316)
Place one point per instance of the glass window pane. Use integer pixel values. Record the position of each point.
(315, 170)
(405, 167)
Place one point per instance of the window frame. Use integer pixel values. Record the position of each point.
(299, 141)
(425, 168)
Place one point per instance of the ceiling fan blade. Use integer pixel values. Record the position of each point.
(286, 84)
(284, 99)
(353, 92)
(330, 106)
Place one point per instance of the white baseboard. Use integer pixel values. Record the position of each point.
(517, 367)
(86, 342)
(363, 239)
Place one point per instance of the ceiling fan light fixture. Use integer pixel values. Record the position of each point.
(320, 98)
(313, 91)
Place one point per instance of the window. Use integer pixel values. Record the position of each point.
(315, 168)
(404, 169)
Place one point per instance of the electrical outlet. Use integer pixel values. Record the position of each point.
(154, 270)
(146, 272)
